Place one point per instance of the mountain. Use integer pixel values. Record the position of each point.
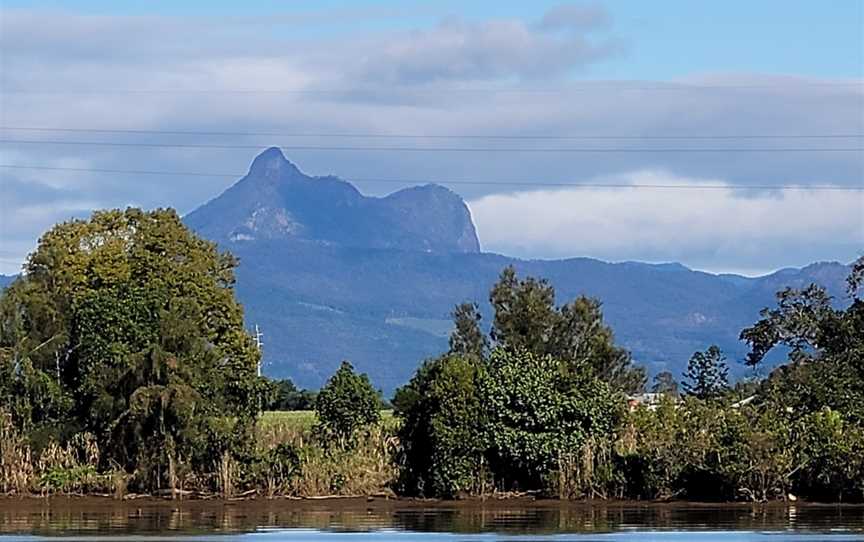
(330, 274)
(276, 201)
(6, 280)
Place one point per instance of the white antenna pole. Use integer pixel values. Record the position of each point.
(259, 344)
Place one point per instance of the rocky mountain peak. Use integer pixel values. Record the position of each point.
(272, 164)
(276, 200)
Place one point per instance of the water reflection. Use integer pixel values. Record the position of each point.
(92, 516)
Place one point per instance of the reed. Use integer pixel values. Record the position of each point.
(16, 465)
(367, 466)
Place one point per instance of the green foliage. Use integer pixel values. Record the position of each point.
(526, 318)
(832, 451)
(707, 451)
(278, 468)
(856, 278)
(798, 322)
(510, 420)
(346, 405)
(67, 480)
(125, 325)
(827, 346)
(285, 396)
(538, 411)
(707, 374)
(443, 428)
(467, 338)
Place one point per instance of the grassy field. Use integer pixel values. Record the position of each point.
(303, 420)
(366, 468)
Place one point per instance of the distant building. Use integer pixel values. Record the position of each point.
(743, 402)
(651, 401)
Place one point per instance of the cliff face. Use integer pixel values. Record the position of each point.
(276, 201)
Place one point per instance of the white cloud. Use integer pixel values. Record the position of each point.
(405, 84)
(496, 48)
(705, 228)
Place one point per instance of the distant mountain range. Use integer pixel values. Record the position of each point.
(329, 274)
(6, 280)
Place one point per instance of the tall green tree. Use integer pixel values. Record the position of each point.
(132, 320)
(856, 278)
(540, 415)
(467, 336)
(826, 346)
(526, 317)
(443, 431)
(707, 374)
(664, 382)
(346, 405)
(285, 395)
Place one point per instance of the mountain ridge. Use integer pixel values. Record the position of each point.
(275, 200)
(330, 274)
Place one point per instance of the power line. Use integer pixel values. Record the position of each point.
(381, 135)
(786, 187)
(589, 87)
(429, 149)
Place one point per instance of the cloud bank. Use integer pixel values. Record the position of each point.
(64, 69)
(698, 223)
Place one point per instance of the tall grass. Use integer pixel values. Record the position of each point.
(367, 466)
(16, 465)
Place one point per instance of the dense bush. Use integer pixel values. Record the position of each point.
(444, 429)
(346, 405)
(124, 364)
(543, 416)
(546, 423)
(284, 395)
(516, 421)
(125, 326)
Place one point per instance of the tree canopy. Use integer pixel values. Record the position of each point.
(126, 326)
(707, 374)
(525, 317)
(347, 404)
(826, 346)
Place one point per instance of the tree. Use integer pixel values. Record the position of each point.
(524, 313)
(526, 318)
(583, 339)
(346, 405)
(664, 382)
(826, 348)
(514, 419)
(467, 338)
(284, 395)
(707, 374)
(443, 432)
(132, 320)
(856, 278)
(542, 417)
(798, 322)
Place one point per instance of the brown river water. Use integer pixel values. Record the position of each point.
(354, 520)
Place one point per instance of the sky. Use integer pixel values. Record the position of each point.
(743, 122)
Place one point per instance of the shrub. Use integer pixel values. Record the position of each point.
(541, 413)
(346, 405)
(442, 433)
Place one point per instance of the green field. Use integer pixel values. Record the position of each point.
(302, 420)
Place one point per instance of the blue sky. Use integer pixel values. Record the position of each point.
(658, 69)
(675, 37)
